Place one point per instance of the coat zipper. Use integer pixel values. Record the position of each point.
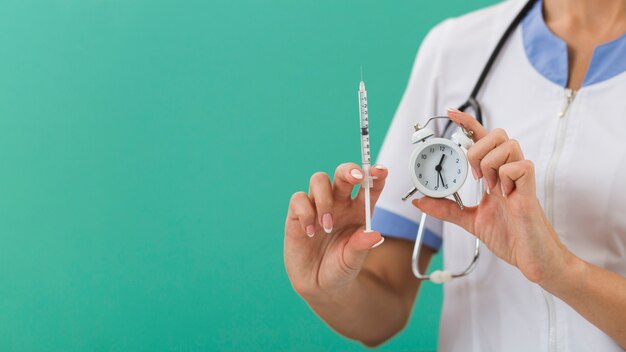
(556, 154)
(549, 185)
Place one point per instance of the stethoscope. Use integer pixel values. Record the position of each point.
(443, 276)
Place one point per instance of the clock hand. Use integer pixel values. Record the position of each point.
(438, 169)
(442, 180)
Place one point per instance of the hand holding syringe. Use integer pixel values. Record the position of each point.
(326, 245)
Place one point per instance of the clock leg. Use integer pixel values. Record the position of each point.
(458, 200)
(410, 193)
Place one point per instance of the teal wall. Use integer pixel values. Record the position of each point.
(148, 150)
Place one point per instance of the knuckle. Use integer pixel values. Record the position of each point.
(514, 143)
(500, 135)
(528, 165)
(319, 177)
(499, 132)
(300, 205)
(298, 197)
(346, 166)
(341, 167)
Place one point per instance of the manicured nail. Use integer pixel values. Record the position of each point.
(380, 167)
(453, 110)
(378, 243)
(327, 222)
(356, 174)
(310, 230)
(475, 174)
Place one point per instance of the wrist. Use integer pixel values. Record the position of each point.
(565, 274)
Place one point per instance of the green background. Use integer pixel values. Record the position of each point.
(148, 150)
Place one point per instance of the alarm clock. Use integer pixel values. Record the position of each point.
(438, 166)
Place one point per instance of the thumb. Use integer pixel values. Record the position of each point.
(358, 246)
(447, 210)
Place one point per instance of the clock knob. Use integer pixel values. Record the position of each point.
(421, 134)
(461, 140)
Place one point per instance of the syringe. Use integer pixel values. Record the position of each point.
(365, 152)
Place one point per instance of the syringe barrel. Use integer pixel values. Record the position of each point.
(364, 120)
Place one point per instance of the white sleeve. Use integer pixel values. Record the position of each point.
(393, 217)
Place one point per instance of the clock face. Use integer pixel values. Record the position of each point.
(439, 167)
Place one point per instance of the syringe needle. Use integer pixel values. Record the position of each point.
(361, 73)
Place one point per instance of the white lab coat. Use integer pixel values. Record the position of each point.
(580, 162)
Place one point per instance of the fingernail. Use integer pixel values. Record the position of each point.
(453, 110)
(487, 190)
(379, 167)
(382, 239)
(310, 230)
(475, 174)
(327, 222)
(356, 174)
(502, 188)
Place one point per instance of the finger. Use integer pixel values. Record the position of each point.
(347, 175)
(379, 174)
(505, 153)
(468, 122)
(479, 150)
(301, 209)
(357, 247)
(321, 192)
(447, 210)
(518, 176)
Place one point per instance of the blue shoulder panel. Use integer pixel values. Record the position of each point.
(394, 225)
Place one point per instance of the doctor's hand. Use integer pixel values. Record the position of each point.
(509, 219)
(325, 242)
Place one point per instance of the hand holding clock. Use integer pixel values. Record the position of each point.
(509, 220)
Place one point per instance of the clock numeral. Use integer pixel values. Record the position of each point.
(458, 171)
(418, 164)
(457, 160)
(454, 180)
(432, 150)
(445, 186)
(424, 156)
(436, 188)
(426, 183)
(420, 176)
(442, 149)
